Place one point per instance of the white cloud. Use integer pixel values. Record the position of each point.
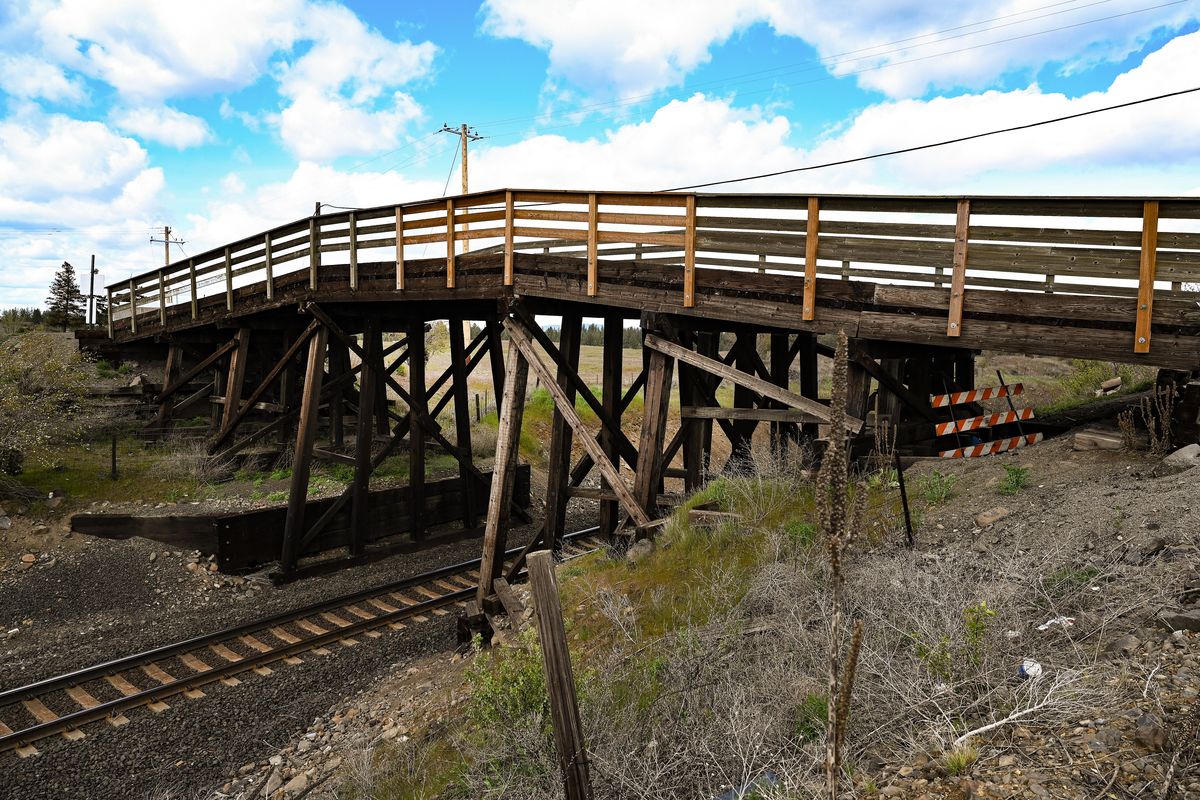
(28, 77)
(340, 92)
(629, 47)
(163, 124)
(151, 50)
(233, 184)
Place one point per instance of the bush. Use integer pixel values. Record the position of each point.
(1015, 479)
(811, 717)
(936, 487)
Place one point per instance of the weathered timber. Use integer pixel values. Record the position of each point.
(559, 461)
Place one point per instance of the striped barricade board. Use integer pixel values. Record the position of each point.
(983, 424)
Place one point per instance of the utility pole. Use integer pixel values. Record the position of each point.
(465, 134)
(92, 293)
(167, 241)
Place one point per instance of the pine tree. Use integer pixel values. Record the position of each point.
(64, 306)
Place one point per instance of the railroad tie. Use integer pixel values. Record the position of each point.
(287, 638)
(42, 714)
(162, 676)
(24, 751)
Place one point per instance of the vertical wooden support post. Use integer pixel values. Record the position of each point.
(689, 253)
(495, 535)
(693, 436)
(560, 434)
(174, 360)
(217, 412)
(743, 443)
(610, 399)
(1147, 266)
(858, 383)
(192, 287)
(368, 377)
(450, 243)
(560, 680)
(462, 419)
(339, 365)
(958, 280)
(808, 378)
(133, 308)
(808, 310)
(162, 297)
(237, 376)
(399, 248)
(964, 370)
(382, 420)
(495, 347)
(416, 430)
(353, 231)
(228, 280)
(781, 367)
(654, 428)
(509, 256)
(314, 250)
(593, 239)
(306, 435)
(707, 344)
(269, 266)
(109, 313)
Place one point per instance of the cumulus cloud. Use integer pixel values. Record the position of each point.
(628, 47)
(163, 124)
(30, 78)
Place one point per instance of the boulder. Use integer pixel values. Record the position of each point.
(990, 517)
(1179, 619)
(1181, 460)
(1123, 645)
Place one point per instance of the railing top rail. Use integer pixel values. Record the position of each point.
(1047, 205)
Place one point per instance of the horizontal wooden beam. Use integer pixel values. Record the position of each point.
(764, 388)
(756, 414)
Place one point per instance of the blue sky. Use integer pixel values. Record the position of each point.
(225, 117)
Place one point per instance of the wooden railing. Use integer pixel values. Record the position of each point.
(1135, 248)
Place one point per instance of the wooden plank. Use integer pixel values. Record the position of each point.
(450, 243)
(418, 409)
(462, 414)
(522, 340)
(368, 377)
(162, 298)
(559, 461)
(508, 434)
(353, 234)
(648, 473)
(269, 280)
(314, 250)
(306, 435)
(808, 309)
(757, 414)
(1147, 268)
(228, 280)
(508, 238)
(195, 302)
(560, 680)
(399, 248)
(512, 604)
(764, 388)
(610, 399)
(592, 243)
(958, 281)
(689, 254)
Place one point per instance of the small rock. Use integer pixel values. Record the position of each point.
(1180, 620)
(275, 760)
(296, 786)
(1182, 459)
(28, 558)
(1150, 733)
(273, 783)
(1123, 645)
(153, 557)
(1007, 761)
(5, 523)
(639, 550)
(990, 517)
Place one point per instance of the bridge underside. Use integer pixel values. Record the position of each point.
(311, 371)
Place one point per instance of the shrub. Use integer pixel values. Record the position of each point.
(811, 717)
(1015, 479)
(936, 487)
(960, 760)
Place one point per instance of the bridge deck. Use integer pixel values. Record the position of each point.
(1111, 278)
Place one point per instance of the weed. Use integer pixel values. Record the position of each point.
(281, 474)
(960, 760)
(936, 656)
(975, 624)
(811, 717)
(936, 487)
(509, 685)
(1015, 479)
(800, 532)
(1066, 580)
(277, 497)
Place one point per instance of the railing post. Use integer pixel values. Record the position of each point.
(808, 310)
(450, 243)
(353, 252)
(109, 320)
(399, 248)
(314, 252)
(192, 286)
(689, 253)
(1050, 283)
(269, 266)
(162, 297)
(593, 238)
(228, 279)
(958, 280)
(1147, 267)
(132, 306)
(508, 238)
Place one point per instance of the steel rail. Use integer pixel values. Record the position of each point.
(73, 720)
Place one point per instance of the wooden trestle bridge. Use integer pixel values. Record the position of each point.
(282, 332)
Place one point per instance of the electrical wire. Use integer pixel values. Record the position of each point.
(942, 143)
(450, 174)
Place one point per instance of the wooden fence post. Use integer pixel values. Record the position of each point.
(560, 679)
(399, 248)
(508, 238)
(958, 280)
(1146, 271)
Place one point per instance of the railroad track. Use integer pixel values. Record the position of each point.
(63, 705)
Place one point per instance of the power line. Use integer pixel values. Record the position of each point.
(450, 174)
(942, 143)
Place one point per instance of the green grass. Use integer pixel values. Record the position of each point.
(811, 717)
(960, 760)
(935, 487)
(1015, 479)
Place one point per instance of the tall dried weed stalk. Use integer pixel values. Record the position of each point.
(839, 514)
